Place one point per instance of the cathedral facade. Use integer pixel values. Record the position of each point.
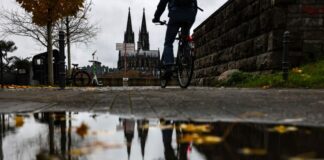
(142, 59)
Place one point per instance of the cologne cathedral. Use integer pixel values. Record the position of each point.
(143, 59)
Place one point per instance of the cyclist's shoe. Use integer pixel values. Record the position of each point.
(156, 20)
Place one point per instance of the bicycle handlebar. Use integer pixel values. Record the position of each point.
(161, 23)
(200, 9)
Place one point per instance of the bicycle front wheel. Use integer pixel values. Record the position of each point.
(185, 63)
(81, 79)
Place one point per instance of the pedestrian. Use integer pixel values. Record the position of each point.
(182, 14)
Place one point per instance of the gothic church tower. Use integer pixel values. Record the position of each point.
(143, 40)
(129, 34)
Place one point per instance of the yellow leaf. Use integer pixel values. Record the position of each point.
(283, 129)
(200, 139)
(253, 151)
(82, 131)
(195, 128)
(212, 140)
(19, 121)
(297, 70)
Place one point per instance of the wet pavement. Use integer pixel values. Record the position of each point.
(89, 136)
(148, 123)
(292, 106)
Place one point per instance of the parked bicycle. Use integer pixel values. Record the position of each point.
(79, 77)
(184, 63)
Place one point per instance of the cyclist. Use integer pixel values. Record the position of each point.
(182, 14)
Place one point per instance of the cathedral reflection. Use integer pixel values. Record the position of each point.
(245, 141)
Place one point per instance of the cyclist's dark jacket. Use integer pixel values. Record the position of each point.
(175, 11)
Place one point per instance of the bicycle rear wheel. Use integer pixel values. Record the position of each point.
(81, 79)
(185, 63)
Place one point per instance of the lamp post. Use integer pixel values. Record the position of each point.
(62, 61)
(285, 63)
(1, 67)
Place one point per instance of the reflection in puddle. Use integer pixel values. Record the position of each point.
(84, 136)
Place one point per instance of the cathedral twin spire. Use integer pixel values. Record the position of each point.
(129, 34)
(143, 40)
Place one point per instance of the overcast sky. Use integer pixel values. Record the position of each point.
(111, 17)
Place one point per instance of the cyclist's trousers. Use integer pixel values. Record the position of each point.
(174, 24)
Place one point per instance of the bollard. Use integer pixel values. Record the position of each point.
(1, 67)
(62, 74)
(285, 63)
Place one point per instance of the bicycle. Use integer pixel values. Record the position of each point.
(184, 62)
(79, 77)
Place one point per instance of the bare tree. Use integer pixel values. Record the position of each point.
(78, 28)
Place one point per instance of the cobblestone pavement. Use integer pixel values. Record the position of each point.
(292, 106)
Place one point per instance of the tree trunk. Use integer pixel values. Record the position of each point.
(68, 45)
(50, 53)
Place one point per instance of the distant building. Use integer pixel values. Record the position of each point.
(143, 59)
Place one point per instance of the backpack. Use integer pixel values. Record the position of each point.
(183, 3)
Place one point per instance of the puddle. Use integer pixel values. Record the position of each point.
(88, 136)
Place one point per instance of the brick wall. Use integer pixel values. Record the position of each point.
(247, 35)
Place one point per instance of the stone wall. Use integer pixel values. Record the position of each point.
(248, 35)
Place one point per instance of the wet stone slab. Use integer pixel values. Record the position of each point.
(294, 106)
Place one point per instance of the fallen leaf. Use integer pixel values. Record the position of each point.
(283, 129)
(195, 128)
(200, 139)
(297, 70)
(19, 121)
(82, 131)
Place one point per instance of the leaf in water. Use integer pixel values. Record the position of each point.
(200, 139)
(283, 129)
(195, 128)
(304, 156)
(19, 121)
(188, 138)
(253, 151)
(80, 151)
(82, 131)
(212, 140)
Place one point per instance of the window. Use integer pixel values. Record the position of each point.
(39, 62)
